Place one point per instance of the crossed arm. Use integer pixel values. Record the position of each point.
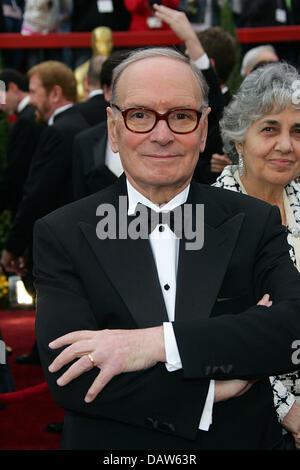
(117, 351)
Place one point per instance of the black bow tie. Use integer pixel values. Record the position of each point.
(150, 219)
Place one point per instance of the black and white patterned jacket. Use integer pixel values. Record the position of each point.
(286, 388)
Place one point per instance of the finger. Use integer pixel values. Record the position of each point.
(166, 14)
(163, 9)
(217, 157)
(70, 338)
(264, 300)
(244, 390)
(217, 168)
(75, 370)
(78, 349)
(98, 385)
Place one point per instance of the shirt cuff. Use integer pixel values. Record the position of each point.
(172, 354)
(206, 418)
(203, 63)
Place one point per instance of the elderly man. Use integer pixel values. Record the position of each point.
(171, 323)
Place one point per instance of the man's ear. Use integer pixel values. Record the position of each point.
(13, 87)
(112, 130)
(56, 93)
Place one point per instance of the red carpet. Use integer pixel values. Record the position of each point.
(22, 423)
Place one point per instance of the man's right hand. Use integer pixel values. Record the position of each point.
(179, 23)
(225, 389)
(218, 162)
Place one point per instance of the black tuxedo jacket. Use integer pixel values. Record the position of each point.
(84, 283)
(90, 174)
(49, 182)
(22, 142)
(93, 109)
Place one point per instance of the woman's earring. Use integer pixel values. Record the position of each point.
(241, 163)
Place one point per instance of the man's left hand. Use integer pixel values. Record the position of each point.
(113, 351)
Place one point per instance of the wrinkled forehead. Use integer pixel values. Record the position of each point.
(160, 78)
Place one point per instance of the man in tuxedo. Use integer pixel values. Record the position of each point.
(174, 329)
(95, 166)
(93, 108)
(48, 186)
(49, 182)
(22, 140)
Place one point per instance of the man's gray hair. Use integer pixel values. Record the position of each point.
(267, 90)
(251, 57)
(158, 52)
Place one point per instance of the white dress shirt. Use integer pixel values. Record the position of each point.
(165, 249)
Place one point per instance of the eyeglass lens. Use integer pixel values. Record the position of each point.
(179, 120)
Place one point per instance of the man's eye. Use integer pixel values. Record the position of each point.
(139, 115)
(181, 116)
(184, 116)
(268, 129)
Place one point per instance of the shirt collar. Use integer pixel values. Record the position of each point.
(95, 93)
(58, 111)
(224, 90)
(23, 103)
(135, 197)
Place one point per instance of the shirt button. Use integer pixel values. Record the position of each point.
(161, 228)
(166, 287)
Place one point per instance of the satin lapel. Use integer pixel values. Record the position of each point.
(130, 266)
(201, 272)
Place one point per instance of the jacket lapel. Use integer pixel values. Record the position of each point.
(130, 266)
(201, 272)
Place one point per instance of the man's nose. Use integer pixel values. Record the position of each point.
(162, 133)
(284, 143)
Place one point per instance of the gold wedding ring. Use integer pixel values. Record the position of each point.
(91, 359)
